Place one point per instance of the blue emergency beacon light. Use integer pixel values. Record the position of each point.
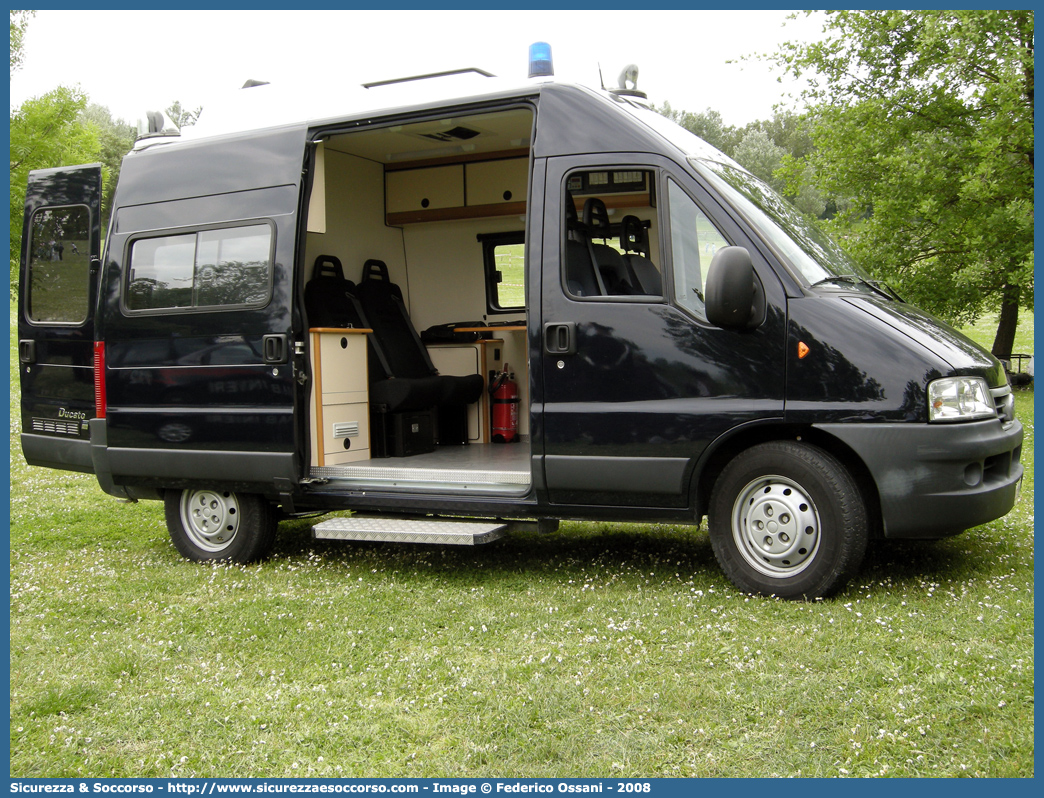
(540, 60)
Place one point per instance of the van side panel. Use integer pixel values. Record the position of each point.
(571, 124)
(208, 168)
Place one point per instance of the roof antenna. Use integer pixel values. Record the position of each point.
(601, 80)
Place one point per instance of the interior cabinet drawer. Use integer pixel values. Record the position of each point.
(343, 359)
(346, 432)
(425, 189)
(492, 182)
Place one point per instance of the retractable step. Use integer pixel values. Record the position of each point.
(405, 530)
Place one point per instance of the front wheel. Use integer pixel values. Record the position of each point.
(787, 519)
(207, 525)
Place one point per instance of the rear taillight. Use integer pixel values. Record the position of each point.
(99, 379)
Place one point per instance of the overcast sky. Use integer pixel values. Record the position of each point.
(134, 61)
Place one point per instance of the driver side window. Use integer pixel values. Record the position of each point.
(694, 240)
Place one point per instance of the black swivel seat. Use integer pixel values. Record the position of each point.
(410, 381)
(328, 296)
(332, 301)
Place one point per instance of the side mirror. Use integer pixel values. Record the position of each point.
(734, 297)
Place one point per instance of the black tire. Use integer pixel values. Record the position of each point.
(209, 525)
(787, 519)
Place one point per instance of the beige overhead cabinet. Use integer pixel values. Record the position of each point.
(430, 188)
(467, 190)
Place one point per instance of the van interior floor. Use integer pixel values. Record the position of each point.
(481, 468)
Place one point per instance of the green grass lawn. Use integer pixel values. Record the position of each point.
(603, 650)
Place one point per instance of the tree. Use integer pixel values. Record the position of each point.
(922, 125)
(115, 140)
(757, 153)
(182, 117)
(764, 147)
(59, 129)
(19, 22)
(708, 125)
(46, 131)
(787, 130)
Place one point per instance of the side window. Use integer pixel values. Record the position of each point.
(229, 267)
(694, 240)
(504, 257)
(59, 267)
(607, 218)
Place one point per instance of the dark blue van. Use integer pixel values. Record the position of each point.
(455, 307)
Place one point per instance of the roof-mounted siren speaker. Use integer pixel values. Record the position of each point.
(629, 75)
(540, 65)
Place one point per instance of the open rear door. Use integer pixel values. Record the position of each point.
(61, 236)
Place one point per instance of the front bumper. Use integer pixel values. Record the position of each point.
(936, 480)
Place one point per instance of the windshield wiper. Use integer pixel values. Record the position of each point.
(853, 279)
(834, 279)
(885, 289)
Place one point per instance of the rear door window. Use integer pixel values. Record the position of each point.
(59, 265)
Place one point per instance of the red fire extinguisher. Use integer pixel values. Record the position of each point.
(503, 391)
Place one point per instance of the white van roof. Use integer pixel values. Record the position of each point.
(271, 105)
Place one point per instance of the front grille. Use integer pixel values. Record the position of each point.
(1005, 401)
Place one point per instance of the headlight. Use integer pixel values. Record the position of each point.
(960, 399)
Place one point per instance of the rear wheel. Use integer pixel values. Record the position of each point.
(787, 519)
(207, 525)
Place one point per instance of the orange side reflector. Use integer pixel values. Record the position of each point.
(802, 350)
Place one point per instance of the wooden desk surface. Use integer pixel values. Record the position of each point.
(519, 328)
(340, 330)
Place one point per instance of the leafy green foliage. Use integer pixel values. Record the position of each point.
(115, 140)
(923, 128)
(19, 22)
(183, 117)
(60, 128)
(763, 147)
(46, 131)
(708, 125)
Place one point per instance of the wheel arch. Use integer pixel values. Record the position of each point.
(721, 451)
(212, 524)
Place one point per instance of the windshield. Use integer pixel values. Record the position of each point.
(796, 239)
(800, 242)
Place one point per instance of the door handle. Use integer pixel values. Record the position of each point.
(560, 338)
(274, 348)
(27, 350)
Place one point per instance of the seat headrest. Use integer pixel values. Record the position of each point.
(632, 234)
(375, 269)
(572, 220)
(328, 266)
(596, 218)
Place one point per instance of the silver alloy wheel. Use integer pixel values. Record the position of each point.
(776, 526)
(210, 518)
